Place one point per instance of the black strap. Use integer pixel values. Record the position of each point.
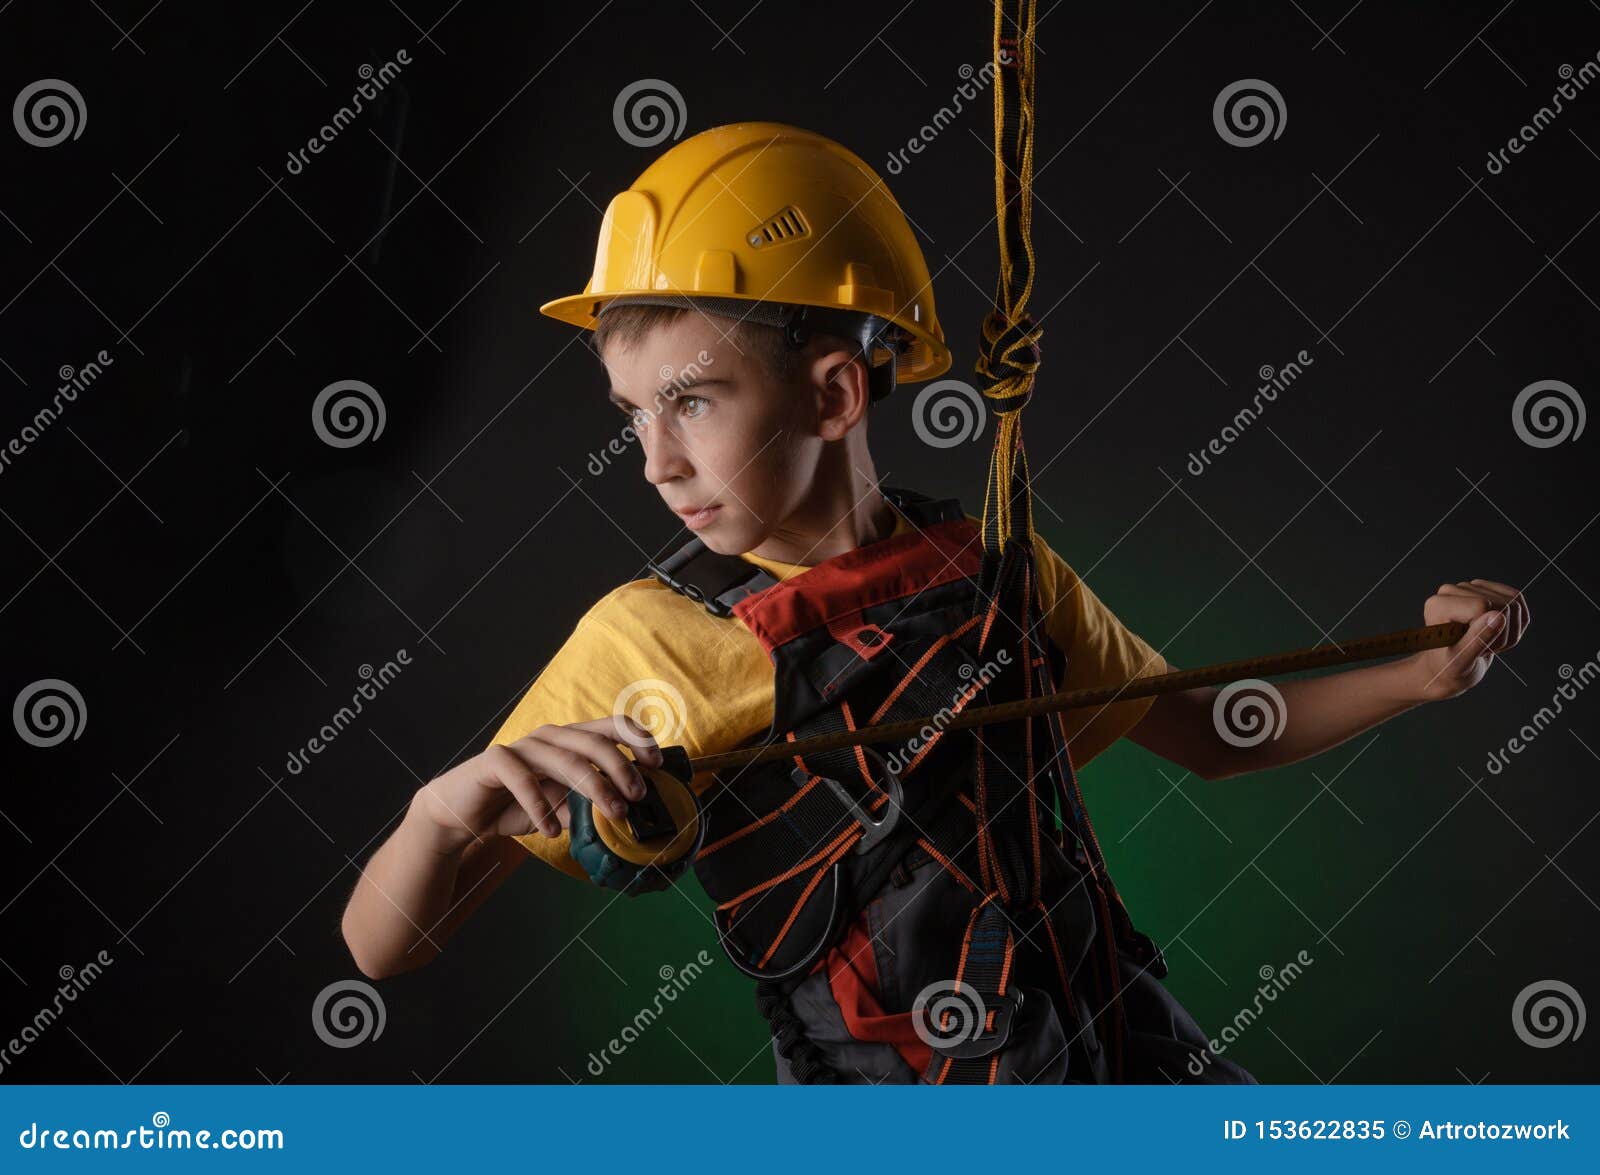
(708, 577)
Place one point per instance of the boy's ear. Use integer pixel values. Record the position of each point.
(839, 379)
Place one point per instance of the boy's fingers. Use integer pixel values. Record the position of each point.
(571, 755)
(520, 779)
(557, 795)
(1482, 635)
(531, 797)
(1495, 585)
(629, 731)
(602, 750)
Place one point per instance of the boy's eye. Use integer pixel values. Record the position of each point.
(692, 407)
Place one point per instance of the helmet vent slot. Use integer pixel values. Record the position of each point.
(782, 226)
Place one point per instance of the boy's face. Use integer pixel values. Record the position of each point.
(718, 430)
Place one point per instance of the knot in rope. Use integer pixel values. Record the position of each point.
(1010, 357)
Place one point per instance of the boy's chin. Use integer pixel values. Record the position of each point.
(725, 538)
(730, 544)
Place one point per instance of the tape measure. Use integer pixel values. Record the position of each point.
(654, 843)
(658, 839)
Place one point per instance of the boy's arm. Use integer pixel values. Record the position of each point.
(454, 846)
(1309, 716)
(465, 832)
(415, 893)
(1268, 725)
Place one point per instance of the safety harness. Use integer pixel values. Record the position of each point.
(981, 894)
(793, 853)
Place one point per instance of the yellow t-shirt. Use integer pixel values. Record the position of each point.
(705, 683)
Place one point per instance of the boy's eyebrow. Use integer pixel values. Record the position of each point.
(676, 388)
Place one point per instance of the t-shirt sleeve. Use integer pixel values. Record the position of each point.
(1100, 651)
(580, 683)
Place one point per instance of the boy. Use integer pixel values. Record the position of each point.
(754, 292)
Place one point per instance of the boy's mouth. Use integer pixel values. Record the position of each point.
(695, 517)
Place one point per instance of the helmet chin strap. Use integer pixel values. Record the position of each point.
(868, 332)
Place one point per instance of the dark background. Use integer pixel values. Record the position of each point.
(183, 549)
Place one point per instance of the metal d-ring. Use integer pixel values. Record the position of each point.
(872, 833)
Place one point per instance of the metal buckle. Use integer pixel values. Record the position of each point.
(987, 1041)
(873, 831)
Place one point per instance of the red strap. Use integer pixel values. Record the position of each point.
(853, 978)
(892, 569)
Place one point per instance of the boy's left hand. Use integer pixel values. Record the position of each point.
(1496, 616)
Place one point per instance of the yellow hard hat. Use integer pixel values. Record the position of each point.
(769, 223)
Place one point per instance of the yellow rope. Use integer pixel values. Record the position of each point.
(1010, 358)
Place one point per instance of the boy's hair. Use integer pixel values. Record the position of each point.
(628, 325)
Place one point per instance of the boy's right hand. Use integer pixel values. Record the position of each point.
(520, 788)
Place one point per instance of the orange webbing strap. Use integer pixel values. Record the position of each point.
(975, 1016)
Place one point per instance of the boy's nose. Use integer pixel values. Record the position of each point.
(664, 457)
